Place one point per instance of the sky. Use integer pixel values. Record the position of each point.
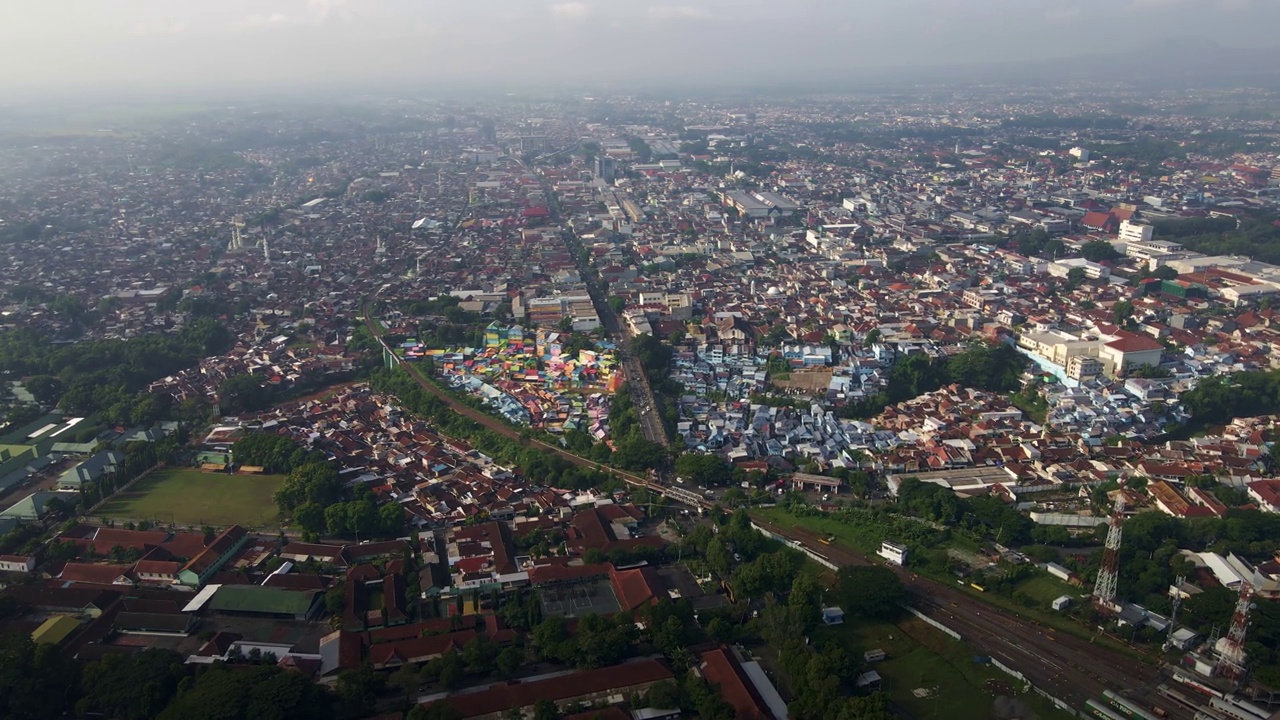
(223, 46)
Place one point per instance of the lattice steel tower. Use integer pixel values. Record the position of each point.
(1231, 659)
(1104, 592)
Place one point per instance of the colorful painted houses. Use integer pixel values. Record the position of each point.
(532, 378)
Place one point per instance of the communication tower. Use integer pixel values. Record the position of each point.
(1175, 597)
(1104, 592)
(1231, 658)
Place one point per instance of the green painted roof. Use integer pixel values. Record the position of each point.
(55, 629)
(258, 599)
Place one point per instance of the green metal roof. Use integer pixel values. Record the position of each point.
(258, 599)
(55, 629)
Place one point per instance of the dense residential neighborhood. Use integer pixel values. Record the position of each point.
(635, 408)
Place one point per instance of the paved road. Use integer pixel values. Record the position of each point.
(1067, 667)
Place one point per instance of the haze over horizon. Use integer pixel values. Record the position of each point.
(162, 46)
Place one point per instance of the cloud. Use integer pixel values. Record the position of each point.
(265, 20)
(677, 12)
(571, 10)
(1169, 4)
(160, 29)
(1058, 16)
(322, 10)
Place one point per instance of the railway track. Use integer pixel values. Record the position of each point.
(1067, 667)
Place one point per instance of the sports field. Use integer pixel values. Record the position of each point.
(186, 496)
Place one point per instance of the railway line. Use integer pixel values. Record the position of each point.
(1067, 667)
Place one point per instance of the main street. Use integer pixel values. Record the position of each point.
(647, 411)
(1065, 666)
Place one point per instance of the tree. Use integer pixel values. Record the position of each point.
(1121, 312)
(362, 515)
(358, 689)
(869, 707)
(391, 518)
(871, 592)
(242, 393)
(310, 517)
(131, 688)
(663, 695)
(509, 661)
(337, 519)
(315, 482)
(704, 470)
(262, 691)
(406, 679)
(1099, 251)
(46, 389)
(35, 681)
(545, 710)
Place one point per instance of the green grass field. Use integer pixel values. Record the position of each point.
(1044, 589)
(950, 682)
(185, 496)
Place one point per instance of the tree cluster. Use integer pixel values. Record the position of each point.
(993, 367)
(1222, 398)
(37, 682)
(1253, 235)
(704, 470)
(274, 453)
(106, 376)
(535, 463)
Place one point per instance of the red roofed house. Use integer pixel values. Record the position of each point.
(94, 574)
(418, 650)
(605, 529)
(721, 668)
(1102, 222)
(584, 686)
(1266, 493)
(637, 587)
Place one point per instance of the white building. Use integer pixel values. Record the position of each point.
(1132, 232)
(1126, 353)
(17, 563)
(1092, 270)
(893, 552)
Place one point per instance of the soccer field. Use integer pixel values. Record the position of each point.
(186, 496)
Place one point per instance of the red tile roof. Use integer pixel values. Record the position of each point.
(95, 574)
(637, 587)
(614, 679)
(1134, 343)
(722, 670)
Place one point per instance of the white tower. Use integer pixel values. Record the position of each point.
(237, 234)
